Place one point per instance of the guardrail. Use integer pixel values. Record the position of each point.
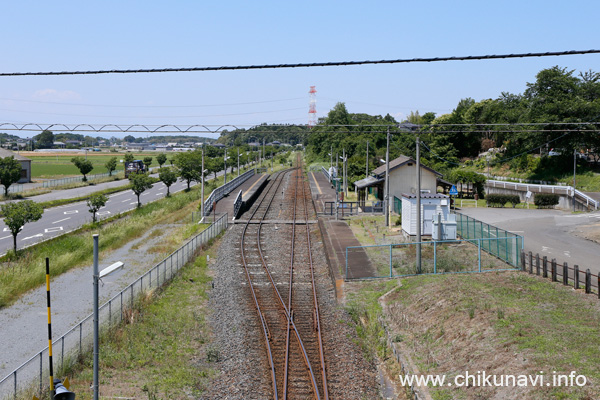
(536, 188)
(326, 173)
(79, 339)
(224, 190)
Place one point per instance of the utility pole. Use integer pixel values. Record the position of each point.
(367, 163)
(263, 151)
(574, 175)
(202, 188)
(238, 149)
(386, 200)
(96, 351)
(225, 160)
(418, 207)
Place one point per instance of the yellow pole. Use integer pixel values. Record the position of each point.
(49, 327)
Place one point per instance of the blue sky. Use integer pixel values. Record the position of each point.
(75, 35)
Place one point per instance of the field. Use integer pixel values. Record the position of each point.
(59, 165)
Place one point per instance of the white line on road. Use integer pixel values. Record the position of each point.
(5, 237)
(126, 200)
(34, 236)
(135, 202)
(61, 220)
(158, 194)
(71, 212)
(55, 229)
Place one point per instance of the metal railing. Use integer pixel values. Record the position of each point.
(344, 208)
(33, 373)
(507, 247)
(536, 188)
(224, 190)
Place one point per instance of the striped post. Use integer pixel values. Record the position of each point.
(49, 327)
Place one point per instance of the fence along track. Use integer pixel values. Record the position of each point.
(287, 374)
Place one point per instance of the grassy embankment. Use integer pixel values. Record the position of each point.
(505, 323)
(75, 249)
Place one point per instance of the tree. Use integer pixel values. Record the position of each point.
(111, 165)
(168, 177)
(161, 159)
(139, 184)
(189, 165)
(16, 215)
(10, 172)
(148, 162)
(84, 166)
(96, 202)
(45, 140)
(128, 157)
(129, 139)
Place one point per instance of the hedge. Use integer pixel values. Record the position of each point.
(499, 200)
(545, 200)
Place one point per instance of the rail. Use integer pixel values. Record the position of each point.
(537, 188)
(224, 190)
(78, 340)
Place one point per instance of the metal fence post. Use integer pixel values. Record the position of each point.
(479, 253)
(435, 256)
(522, 261)
(391, 272)
(553, 267)
(537, 264)
(565, 274)
(576, 276)
(530, 262)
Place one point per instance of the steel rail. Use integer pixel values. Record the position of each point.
(290, 291)
(257, 305)
(285, 309)
(315, 299)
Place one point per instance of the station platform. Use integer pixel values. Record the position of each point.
(249, 190)
(322, 190)
(337, 235)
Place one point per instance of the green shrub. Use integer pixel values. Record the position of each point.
(499, 200)
(545, 200)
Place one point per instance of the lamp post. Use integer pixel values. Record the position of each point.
(386, 197)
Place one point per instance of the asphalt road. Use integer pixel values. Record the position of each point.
(551, 233)
(57, 221)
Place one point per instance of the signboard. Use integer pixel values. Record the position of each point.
(453, 191)
(528, 194)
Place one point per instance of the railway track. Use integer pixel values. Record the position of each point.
(286, 299)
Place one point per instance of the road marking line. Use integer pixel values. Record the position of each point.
(316, 183)
(126, 200)
(71, 212)
(55, 229)
(158, 194)
(103, 213)
(34, 236)
(135, 202)
(5, 237)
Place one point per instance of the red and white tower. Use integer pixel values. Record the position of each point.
(312, 107)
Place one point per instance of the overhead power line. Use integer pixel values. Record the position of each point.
(308, 65)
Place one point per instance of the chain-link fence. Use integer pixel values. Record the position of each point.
(32, 376)
(498, 242)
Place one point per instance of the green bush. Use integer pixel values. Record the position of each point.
(499, 200)
(545, 200)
